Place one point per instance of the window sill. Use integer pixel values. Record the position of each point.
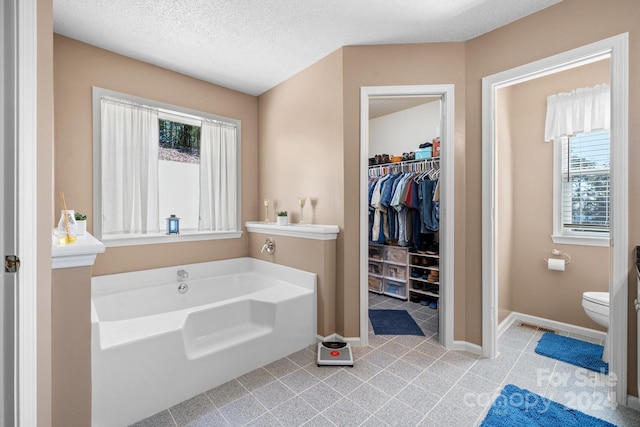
(581, 240)
(185, 236)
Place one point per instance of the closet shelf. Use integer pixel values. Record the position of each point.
(426, 267)
(431, 294)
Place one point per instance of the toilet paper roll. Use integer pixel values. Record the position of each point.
(556, 264)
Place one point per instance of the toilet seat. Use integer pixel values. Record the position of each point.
(600, 298)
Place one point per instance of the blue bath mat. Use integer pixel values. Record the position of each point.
(518, 407)
(571, 350)
(393, 322)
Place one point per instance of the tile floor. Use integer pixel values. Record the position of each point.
(396, 381)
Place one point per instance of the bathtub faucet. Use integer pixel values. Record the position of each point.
(183, 274)
(269, 246)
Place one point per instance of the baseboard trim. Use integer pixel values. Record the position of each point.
(633, 402)
(547, 323)
(466, 346)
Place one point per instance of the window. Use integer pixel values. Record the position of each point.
(582, 208)
(153, 160)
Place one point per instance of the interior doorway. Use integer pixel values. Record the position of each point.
(615, 48)
(446, 94)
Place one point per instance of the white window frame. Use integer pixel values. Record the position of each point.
(560, 234)
(164, 110)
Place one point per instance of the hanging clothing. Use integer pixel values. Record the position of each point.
(403, 206)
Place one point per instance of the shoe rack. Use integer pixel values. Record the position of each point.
(424, 276)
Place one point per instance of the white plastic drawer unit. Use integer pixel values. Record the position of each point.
(395, 254)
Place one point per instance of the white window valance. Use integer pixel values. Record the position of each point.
(582, 110)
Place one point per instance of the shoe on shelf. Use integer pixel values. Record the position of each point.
(433, 304)
(433, 248)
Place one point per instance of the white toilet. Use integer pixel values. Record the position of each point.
(596, 305)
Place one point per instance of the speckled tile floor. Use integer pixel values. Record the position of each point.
(396, 381)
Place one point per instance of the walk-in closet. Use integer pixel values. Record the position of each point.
(404, 199)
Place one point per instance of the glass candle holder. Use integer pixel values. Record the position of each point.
(267, 202)
(301, 202)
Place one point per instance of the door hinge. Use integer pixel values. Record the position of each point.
(11, 263)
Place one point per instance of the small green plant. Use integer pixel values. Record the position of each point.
(282, 213)
(80, 217)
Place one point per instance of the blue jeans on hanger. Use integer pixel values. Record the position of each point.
(429, 208)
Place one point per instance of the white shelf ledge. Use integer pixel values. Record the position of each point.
(80, 253)
(305, 231)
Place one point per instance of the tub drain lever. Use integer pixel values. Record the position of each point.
(269, 246)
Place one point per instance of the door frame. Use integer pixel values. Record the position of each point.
(446, 91)
(26, 210)
(617, 47)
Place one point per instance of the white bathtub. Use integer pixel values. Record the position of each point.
(153, 347)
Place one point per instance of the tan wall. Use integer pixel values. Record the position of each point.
(300, 134)
(44, 208)
(564, 26)
(71, 339)
(536, 290)
(300, 154)
(78, 67)
(315, 256)
(419, 64)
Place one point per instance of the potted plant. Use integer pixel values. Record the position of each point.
(283, 218)
(81, 221)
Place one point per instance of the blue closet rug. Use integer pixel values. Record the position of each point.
(570, 350)
(518, 407)
(393, 322)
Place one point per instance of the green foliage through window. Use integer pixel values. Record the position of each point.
(586, 183)
(180, 136)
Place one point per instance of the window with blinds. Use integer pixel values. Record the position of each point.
(585, 183)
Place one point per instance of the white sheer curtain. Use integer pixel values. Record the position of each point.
(218, 177)
(129, 168)
(580, 111)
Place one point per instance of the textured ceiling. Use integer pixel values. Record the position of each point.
(253, 45)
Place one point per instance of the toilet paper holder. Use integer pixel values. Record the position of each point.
(557, 252)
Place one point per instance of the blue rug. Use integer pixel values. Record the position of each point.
(571, 350)
(393, 322)
(518, 407)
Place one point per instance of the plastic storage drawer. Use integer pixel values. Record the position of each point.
(375, 251)
(375, 268)
(394, 288)
(395, 271)
(375, 284)
(395, 254)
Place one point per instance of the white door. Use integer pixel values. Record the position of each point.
(7, 204)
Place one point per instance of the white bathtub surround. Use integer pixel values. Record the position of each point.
(304, 231)
(153, 347)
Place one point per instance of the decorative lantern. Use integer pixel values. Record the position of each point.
(173, 225)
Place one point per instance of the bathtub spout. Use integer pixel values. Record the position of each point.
(183, 274)
(269, 246)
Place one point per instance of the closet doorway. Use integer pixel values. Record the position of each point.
(420, 93)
